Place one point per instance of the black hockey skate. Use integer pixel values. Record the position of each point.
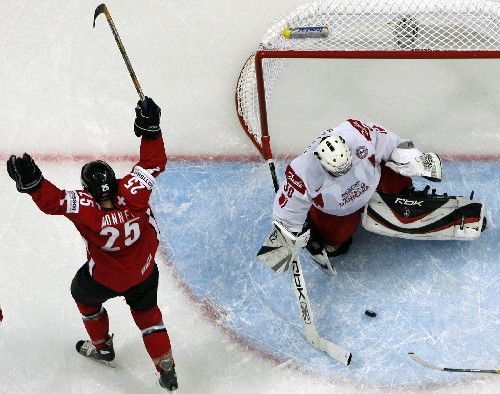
(424, 193)
(103, 356)
(320, 257)
(168, 377)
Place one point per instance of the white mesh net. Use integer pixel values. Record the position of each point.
(401, 26)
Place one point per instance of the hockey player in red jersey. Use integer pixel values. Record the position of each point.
(322, 200)
(115, 220)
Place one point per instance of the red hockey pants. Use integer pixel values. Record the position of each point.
(335, 230)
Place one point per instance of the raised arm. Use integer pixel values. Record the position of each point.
(29, 179)
(153, 157)
(401, 155)
(137, 186)
(25, 173)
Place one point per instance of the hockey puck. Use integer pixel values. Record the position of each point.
(370, 313)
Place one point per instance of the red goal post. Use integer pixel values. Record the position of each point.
(363, 29)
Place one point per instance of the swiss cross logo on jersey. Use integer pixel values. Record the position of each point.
(121, 200)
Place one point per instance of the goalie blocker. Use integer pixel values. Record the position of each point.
(281, 247)
(424, 216)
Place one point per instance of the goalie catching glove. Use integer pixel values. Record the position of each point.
(409, 161)
(281, 247)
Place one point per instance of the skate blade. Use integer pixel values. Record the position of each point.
(332, 271)
(327, 268)
(110, 364)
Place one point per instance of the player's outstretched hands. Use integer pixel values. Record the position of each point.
(147, 119)
(25, 172)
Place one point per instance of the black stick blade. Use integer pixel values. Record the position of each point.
(99, 10)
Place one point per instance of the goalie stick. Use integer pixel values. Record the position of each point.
(305, 311)
(428, 365)
(102, 9)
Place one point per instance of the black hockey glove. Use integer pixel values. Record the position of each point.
(147, 119)
(25, 172)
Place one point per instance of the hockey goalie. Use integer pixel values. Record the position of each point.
(360, 172)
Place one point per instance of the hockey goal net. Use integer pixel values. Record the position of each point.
(364, 29)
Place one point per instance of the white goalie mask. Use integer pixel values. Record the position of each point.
(334, 155)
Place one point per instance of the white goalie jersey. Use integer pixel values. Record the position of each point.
(308, 183)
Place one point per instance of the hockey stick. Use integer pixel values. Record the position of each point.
(428, 365)
(103, 9)
(305, 311)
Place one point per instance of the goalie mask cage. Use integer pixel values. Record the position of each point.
(363, 29)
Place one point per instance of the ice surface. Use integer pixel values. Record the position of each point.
(438, 299)
(39, 256)
(233, 324)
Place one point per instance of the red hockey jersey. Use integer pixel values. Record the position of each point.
(121, 242)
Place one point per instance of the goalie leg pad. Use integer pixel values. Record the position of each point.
(419, 216)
